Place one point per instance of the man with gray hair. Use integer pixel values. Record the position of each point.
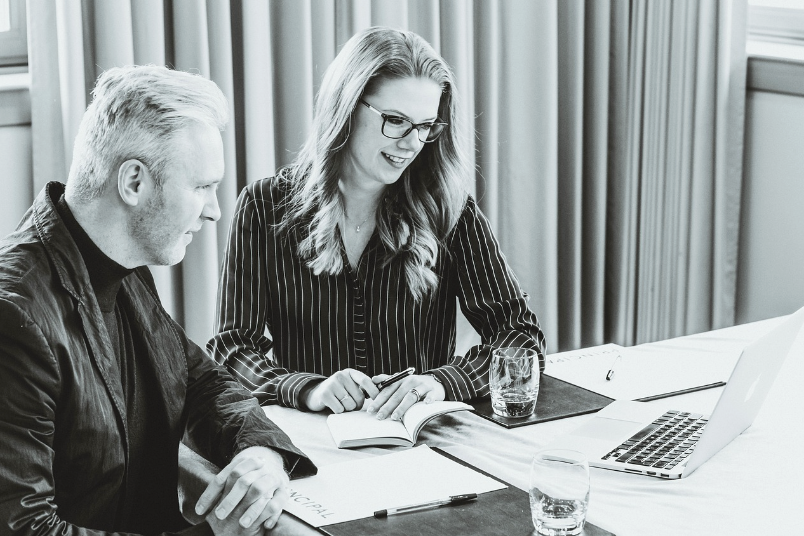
(98, 383)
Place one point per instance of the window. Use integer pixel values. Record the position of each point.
(775, 46)
(5, 16)
(13, 34)
(776, 20)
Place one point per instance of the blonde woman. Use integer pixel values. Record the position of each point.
(345, 267)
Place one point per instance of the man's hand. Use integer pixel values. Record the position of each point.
(247, 495)
(340, 392)
(398, 397)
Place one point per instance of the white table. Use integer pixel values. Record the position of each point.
(737, 491)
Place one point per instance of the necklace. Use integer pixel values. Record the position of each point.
(357, 227)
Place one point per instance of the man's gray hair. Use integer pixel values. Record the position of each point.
(135, 113)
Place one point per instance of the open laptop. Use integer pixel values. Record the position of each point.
(636, 437)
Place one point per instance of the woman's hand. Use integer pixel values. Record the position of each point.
(340, 392)
(397, 398)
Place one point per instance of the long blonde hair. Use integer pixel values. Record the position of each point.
(421, 208)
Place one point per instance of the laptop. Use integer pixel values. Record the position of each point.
(636, 437)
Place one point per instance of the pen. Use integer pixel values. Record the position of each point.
(449, 501)
(391, 379)
(610, 373)
(395, 378)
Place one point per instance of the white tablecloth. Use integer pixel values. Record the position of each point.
(738, 491)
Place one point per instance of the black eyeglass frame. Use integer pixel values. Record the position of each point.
(386, 117)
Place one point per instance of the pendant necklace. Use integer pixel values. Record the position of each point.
(357, 227)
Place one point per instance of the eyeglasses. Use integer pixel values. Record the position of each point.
(396, 127)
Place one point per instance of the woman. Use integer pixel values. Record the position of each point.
(346, 266)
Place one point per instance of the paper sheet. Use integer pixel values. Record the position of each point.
(356, 489)
(641, 372)
(611, 350)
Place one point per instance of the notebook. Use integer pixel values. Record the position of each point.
(647, 439)
(360, 428)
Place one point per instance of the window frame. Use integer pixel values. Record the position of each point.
(776, 50)
(776, 24)
(14, 42)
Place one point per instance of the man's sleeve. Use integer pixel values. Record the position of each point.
(31, 383)
(224, 418)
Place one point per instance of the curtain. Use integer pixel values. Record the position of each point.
(675, 173)
(608, 134)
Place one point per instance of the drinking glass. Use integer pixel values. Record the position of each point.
(514, 381)
(559, 492)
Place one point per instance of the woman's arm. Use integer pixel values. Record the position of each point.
(243, 306)
(492, 300)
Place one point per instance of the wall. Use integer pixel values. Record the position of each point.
(770, 277)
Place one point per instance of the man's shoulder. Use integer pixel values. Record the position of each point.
(23, 263)
(30, 293)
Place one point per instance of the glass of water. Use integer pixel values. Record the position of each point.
(559, 492)
(514, 381)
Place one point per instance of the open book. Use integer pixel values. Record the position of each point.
(360, 428)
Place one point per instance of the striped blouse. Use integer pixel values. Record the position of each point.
(281, 327)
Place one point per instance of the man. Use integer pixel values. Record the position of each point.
(97, 383)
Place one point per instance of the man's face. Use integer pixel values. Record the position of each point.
(163, 226)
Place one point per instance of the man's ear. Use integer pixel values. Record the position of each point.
(133, 180)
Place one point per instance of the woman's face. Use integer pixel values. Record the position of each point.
(372, 160)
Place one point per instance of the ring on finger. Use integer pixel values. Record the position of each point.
(344, 397)
(416, 393)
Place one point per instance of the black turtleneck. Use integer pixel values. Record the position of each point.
(136, 376)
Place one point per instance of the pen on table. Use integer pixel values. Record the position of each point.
(438, 503)
(610, 373)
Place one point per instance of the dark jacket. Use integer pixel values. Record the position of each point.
(63, 441)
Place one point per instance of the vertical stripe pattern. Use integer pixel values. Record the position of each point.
(280, 326)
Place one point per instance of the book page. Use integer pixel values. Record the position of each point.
(365, 428)
(640, 372)
(356, 489)
(419, 414)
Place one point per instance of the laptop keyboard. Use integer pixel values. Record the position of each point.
(664, 443)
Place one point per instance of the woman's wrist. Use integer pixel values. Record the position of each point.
(438, 388)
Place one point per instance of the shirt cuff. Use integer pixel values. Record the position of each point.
(457, 384)
(291, 386)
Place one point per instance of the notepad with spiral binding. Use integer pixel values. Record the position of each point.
(506, 511)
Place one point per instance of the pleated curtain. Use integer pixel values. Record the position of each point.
(608, 134)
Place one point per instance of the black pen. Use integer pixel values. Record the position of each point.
(395, 378)
(438, 503)
(610, 373)
(391, 379)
